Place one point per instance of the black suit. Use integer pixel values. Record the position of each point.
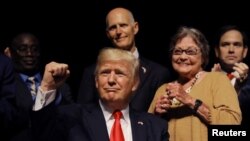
(24, 97)
(7, 96)
(77, 123)
(25, 103)
(244, 100)
(152, 76)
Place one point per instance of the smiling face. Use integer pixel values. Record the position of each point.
(121, 28)
(231, 48)
(25, 53)
(187, 65)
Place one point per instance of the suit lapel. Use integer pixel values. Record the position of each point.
(97, 123)
(23, 93)
(144, 71)
(139, 130)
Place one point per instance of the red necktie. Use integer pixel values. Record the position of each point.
(116, 132)
(230, 76)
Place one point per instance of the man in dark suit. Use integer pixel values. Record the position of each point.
(231, 49)
(25, 54)
(116, 80)
(7, 97)
(121, 29)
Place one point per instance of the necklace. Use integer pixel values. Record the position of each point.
(197, 76)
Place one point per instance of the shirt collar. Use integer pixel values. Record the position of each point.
(136, 53)
(108, 113)
(25, 77)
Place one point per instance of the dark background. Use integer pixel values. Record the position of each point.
(74, 32)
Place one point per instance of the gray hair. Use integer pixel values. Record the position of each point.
(115, 54)
(198, 38)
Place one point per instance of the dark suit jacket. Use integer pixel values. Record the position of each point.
(25, 103)
(244, 100)
(7, 96)
(152, 76)
(24, 98)
(77, 123)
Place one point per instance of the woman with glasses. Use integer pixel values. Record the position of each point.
(196, 98)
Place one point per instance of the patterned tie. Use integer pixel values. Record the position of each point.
(116, 132)
(32, 84)
(230, 76)
(236, 85)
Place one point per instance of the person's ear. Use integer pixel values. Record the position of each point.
(108, 35)
(7, 52)
(136, 27)
(136, 84)
(96, 82)
(245, 52)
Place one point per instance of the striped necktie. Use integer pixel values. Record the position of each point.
(32, 85)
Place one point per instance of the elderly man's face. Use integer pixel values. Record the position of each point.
(115, 81)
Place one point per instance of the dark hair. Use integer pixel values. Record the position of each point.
(227, 28)
(16, 40)
(198, 38)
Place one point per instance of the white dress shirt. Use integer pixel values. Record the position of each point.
(125, 121)
(43, 99)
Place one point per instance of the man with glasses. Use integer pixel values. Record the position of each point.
(25, 54)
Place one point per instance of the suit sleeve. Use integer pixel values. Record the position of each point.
(54, 122)
(158, 129)
(7, 94)
(244, 100)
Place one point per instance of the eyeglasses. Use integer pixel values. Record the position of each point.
(189, 51)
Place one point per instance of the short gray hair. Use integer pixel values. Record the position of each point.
(109, 53)
(198, 38)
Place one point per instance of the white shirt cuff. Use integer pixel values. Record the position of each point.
(43, 98)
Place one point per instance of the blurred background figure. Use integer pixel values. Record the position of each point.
(121, 29)
(25, 54)
(231, 47)
(7, 98)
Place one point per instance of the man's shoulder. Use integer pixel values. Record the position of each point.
(151, 63)
(5, 61)
(155, 118)
(71, 110)
(3, 57)
(149, 117)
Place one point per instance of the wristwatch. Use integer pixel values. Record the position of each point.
(197, 104)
